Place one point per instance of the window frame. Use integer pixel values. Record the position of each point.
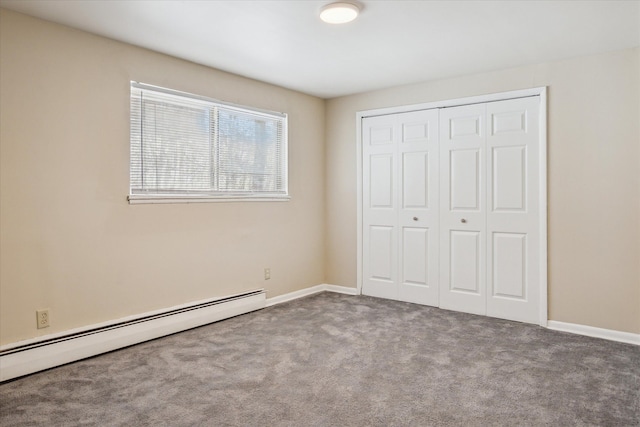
(222, 196)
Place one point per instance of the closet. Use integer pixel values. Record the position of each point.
(451, 212)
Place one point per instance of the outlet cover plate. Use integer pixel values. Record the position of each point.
(42, 318)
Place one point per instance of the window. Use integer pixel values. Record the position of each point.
(190, 148)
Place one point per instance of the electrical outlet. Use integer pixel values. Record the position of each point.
(42, 318)
(267, 273)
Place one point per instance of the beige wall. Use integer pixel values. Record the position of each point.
(593, 179)
(70, 242)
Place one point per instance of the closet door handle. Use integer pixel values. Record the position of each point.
(415, 218)
(463, 220)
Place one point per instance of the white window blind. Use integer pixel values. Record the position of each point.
(189, 147)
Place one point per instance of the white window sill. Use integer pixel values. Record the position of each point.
(136, 199)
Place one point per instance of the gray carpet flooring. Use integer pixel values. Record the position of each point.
(337, 360)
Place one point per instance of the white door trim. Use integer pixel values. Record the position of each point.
(539, 91)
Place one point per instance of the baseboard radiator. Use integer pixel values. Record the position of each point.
(31, 356)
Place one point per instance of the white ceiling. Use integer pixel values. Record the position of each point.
(392, 43)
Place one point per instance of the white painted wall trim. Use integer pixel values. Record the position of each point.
(591, 331)
(46, 352)
(543, 211)
(480, 99)
(310, 291)
(342, 290)
(359, 182)
(294, 295)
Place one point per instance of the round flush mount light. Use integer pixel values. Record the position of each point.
(339, 13)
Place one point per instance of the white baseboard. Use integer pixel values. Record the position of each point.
(342, 290)
(310, 291)
(46, 352)
(590, 331)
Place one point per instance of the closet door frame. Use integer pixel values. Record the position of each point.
(542, 212)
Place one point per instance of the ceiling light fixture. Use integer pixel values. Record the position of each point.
(339, 13)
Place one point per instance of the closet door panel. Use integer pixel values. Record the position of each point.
(381, 181)
(415, 266)
(509, 179)
(381, 253)
(509, 265)
(463, 209)
(415, 180)
(464, 180)
(464, 261)
(418, 215)
(380, 207)
(513, 246)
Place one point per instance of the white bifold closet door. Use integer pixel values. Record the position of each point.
(400, 207)
(489, 221)
(451, 208)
